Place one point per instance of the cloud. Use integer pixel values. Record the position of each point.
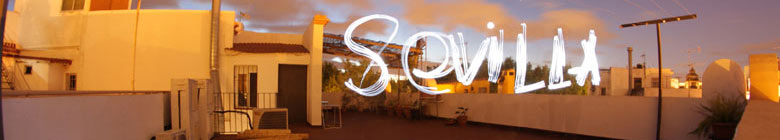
(769, 46)
(158, 4)
(474, 14)
(354, 5)
(381, 27)
(275, 12)
(576, 24)
(549, 4)
(293, 16)
(766, 46)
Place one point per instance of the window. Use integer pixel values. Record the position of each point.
(245, 78)
(97, 5)
(483, 90)
(71, 5)
(71, 81)
(637, 82)
(656, 83)
(27, 69)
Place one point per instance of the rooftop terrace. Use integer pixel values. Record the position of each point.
(374, 126)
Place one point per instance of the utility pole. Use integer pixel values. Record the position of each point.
(658, 23)
(630, 71)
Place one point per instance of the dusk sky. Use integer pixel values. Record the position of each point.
(724, 28)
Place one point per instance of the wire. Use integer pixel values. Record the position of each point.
(578, 2)
(681, 6)
(659, 7)
(638, 6)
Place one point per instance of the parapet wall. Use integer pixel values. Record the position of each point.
(621, 117)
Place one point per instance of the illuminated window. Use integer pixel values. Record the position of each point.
(71, 5)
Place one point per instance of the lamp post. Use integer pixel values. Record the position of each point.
(658, 23)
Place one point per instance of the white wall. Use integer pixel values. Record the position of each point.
(674, 92)
(618, 82)
(621, 117)
(44, 75)
(255, 37)
(44, 26)
(101, 44)
(125, 117)
(171, 44)
(312, 40)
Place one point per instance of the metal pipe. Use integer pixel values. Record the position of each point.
(214, 57)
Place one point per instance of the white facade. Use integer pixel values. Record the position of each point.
(131, 50)
(615, 82)
(104, 49)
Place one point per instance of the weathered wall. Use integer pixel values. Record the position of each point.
(674, 92)
(763, 77)
(171, 44)
(622, 117)
(312, 40)
(45, 26)
(759, 120)
(126, 117)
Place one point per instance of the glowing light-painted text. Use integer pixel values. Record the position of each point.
(455, 59)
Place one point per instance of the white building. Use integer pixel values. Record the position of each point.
(88, 45)
(645, 82)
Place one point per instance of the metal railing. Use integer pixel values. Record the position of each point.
(233, 112)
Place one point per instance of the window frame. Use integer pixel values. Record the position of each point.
(74, 5)
(71, 80)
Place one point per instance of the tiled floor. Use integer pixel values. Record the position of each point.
(372, 126)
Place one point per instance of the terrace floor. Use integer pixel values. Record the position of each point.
(383, 127)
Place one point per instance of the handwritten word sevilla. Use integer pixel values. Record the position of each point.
(491, 49)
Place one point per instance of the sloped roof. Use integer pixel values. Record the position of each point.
(268, 48)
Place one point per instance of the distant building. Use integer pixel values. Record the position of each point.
(504, 85)
(691, 80)
(645, 82)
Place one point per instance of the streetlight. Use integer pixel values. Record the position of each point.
(658, 23)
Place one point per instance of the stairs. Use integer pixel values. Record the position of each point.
(7, 79)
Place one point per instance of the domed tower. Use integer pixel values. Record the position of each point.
(692, 79)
